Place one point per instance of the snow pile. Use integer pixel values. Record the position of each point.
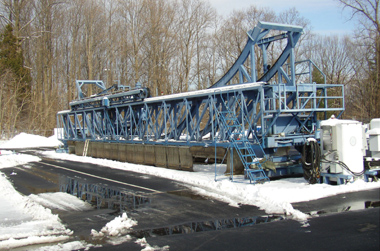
(61, 201)
(118, 229)
(119, 226)
(12, 160)
(73, 245)
(143, 243)
(24, 222)
(31, 240)
(24, 140)
(6, 152)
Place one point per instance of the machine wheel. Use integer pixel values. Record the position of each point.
(311, 159)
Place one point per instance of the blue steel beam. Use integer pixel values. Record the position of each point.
(186, 118)
(257, 37)
(81, 83)
(267, 115)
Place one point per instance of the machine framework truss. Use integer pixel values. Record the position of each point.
(239, 110)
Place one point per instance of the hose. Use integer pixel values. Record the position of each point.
(343, 165)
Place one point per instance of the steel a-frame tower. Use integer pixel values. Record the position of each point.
(250, 114)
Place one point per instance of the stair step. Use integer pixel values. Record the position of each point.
(256, 170)
(249, 156)
(254, 163)
(243, 146)
(255, 179)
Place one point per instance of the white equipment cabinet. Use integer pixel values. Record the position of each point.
(374, 138)
(342, 141)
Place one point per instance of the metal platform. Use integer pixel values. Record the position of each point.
(242, 111)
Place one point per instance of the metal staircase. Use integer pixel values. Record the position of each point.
(236, 134)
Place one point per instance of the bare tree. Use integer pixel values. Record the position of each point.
(195, 17)
(172, 45)
(134, 30)
(366, 13)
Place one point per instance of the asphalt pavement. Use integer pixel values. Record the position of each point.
(182, 220)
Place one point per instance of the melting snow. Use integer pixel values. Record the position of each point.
(119, 226)
(60, 201)
(24, 140)
(27, 220)
(24, 222)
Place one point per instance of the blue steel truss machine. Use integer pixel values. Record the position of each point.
(257, 121)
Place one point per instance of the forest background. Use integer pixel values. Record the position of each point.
(169, 46)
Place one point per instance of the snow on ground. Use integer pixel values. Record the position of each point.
(116, 232)
(60, 201)
(73, 245)
(119, 226)
(24, 140)
(10, 160)
(143, 243)
(26, 221)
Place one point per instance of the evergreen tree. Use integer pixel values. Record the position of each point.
(11, 59)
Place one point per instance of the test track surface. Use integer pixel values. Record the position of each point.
(172, 204)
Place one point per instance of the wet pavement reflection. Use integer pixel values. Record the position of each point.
(210, 225)
(101, 195)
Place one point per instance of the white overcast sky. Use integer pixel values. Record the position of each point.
(326, 16)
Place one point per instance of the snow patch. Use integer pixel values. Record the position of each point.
(73, 245)
(24, 140)
(61, 201)
(143, 243)
(32, 240)
(25, 222)
(119, 226)
(12, 160)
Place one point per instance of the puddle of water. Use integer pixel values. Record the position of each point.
(187, 193)
(211, 225)
(359, 205)
(102, 196)
(371, 204)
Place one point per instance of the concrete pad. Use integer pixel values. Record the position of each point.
(122, 152)
(160, 156)
(114, 151)
(107, 150)
(138, 150)
(238, 167)
(130, 157)
(185, 158)
(172, 154)
(149, 156)
(97, 149)
(71, 146)
(79, 145)
(207, 152)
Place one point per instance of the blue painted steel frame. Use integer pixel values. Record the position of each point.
(278, 114)
(257, 37)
